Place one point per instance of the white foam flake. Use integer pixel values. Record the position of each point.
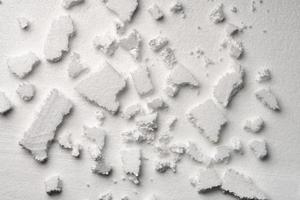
(106, 43)
(96, 136)
(142, 81)
(105, 196)
(266, 97)
(168, 57)
(236, 145)
(228, 86)
(259, 148)
(40, 134)
(163, 166)
(24, 23)
(235, 48)
(65, 140)
(124, 10)
(200, 116)
(196, 153)
(156, 103)
(217, 14)
(147, 122)
(68, 4)
(158, 43)
(26, 91)
(132, 42)
(53, 184)
(231, 29)
(131, 111)
(155, 12)
(205, 180)
(171, 122)
(57, 41)
(5, 104)
(103, 87)
(131, 162)
(76, 148)
(254, 124)
(263, 75)
(22, 65)
(100, 167)
(76, 67)
(241, 186)
(222, 154)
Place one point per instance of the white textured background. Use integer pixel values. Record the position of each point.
(279, 177)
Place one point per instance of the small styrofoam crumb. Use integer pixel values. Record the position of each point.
(53, 184)
(171, 91)
(228, 86)
(57, 41)
(100, 167)
(200, 116)
(142, 81)
(106, 43)
(155, 12)
(26, 91)
(65, 140)
(22, 65)
(205, 180)
(235, 48)
(5, 104)
(263, 75)
(131, 163)
(236, 145)
(147, 122)
(103, 87)
(195, 153)
(231, 29)
(105, 196)
(178, 148)
(259, 148)
(266, 97)
(131, 111)
(100, 116)
(120, 27)
(171, 122)
(132, 42)
(133, 136)
(222, 154)
(124, 10)
(179, 77)
(234, 9)
(163, 166)
(76, 148)
(68, 4)
(156, 104)
(41, 132)
(75, 67)
(241, 186)
(96, 136)
(177, 8)
(254, 124)
(217, 14)
(158, 43)
(24, 23)
(168, 57)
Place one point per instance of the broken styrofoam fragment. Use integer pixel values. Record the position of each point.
(259, 148)
(195, 153)
(75, 67)
(53, 185)
(222, 154)
(236, 145)
(26, 91)
(65, 140)
(266, 97)
(263, 75)
(96, 136)
(205, 180)
(163, 166)
(228, 86)
(177, 8)
(171, 122)
(231, 29)
(57, 41)
(217, 14)
(168, 57)
(100, 167)
(22, 65)
(200, 116)
(134, 135)
(179, 149)
(68, 4)
(106, 196)
(103, 87)
(171, 90)
(24, 23)
(132, 43)
(131, 111)
(156, 12)
(142, 81)
(235, 48)
(241, 186)
(5, 104)
(254, 125)
(131, 162)
(124, 10)
(156, 104)
(106, 43)
(40, 134)
(76, 148)
(147, 122)
(158, 43)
